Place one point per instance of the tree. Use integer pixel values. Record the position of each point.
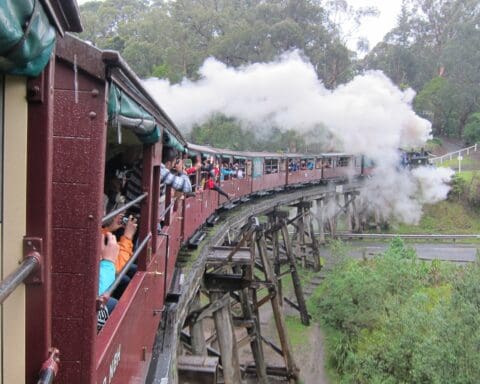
(471, 133)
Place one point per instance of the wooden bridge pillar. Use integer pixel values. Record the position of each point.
(199, 347)
(277, 312)
(321, 219)
(303, 225)
(226, 341)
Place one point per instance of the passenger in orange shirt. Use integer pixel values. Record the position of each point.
(125, 243)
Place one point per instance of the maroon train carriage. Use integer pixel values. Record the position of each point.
(339, 166)
(100, 110)
(28, 34)
(302, 169)
(269, 171)
(237, 180)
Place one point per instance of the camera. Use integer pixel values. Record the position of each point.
(126, 218)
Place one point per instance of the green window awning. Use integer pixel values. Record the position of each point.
(192, 152)
(26, 37)
(124, 112)
(172, 141)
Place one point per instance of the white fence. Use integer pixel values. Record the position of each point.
(454, 155)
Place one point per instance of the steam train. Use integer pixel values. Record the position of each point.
(61, 126)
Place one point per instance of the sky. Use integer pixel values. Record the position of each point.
(373, 28)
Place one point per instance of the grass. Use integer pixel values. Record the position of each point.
(466, 162)
(297, 332)
(446, 217)
(469, 176)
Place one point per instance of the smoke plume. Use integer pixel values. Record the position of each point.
(369, 116)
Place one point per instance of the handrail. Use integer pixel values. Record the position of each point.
(17, 277)
(450, 155)
(407, 236)
(50, 367)
(124, 270)
(165, 211)
(114, 213)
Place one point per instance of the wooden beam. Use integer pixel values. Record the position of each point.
(226, 341)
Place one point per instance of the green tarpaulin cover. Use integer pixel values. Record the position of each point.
(126, 113)
(172, 141)
(26, 37)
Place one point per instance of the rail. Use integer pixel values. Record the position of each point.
(453, 155)
(50, 367)
(382, 236)
(166, 210)
(114, 213)
(17, 277)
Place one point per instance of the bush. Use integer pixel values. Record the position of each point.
(471, 132)
(395, 319)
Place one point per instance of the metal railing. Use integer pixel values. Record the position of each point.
(454, 155)
(114, 213)
(382, 236)
(50, 367)
(17, 277)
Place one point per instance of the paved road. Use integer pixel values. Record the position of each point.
(459, 253)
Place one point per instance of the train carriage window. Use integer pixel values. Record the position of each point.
(319, 163)
(283, 165)
(271, 166)
(343, 161)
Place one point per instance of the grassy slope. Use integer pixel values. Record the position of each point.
(446, 217)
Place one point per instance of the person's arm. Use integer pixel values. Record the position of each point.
(126, 244)
(180, 183)
(106, 275)
(108, 257)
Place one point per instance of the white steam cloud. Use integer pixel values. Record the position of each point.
(369, 116)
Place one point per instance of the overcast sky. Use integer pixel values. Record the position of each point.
(376, 28)
(372, 28)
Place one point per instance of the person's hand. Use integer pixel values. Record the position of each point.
(116, 223)
(109, 248)
(130, 227)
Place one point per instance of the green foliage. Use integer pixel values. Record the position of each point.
(395, 319)
(445, 217)
(223, 132)
(471, 133)
(182, 34)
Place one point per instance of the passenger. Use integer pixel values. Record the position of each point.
(239, 173)
(178, 180)
(126, 240)
(172, 173)
(292, 166)
(126, 229)
(225, 172)
(210, 184)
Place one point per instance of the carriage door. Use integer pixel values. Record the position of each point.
(13, 148)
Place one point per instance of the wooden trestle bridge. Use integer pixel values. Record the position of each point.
(236, 270)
